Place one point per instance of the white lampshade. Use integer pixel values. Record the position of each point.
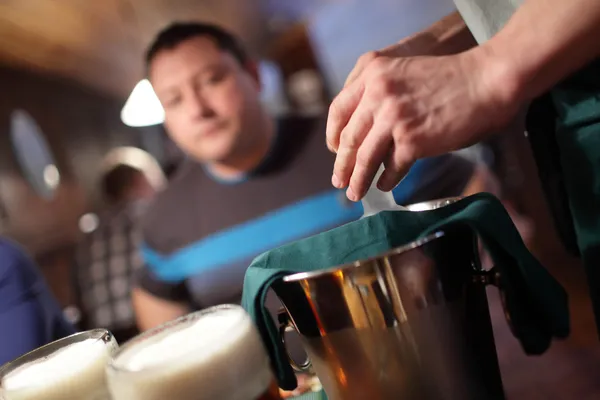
(142, 108)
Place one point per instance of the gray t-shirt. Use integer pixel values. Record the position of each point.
(486, 17)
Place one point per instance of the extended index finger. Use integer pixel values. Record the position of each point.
(340, 111)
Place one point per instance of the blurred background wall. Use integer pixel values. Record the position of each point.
(342, 31)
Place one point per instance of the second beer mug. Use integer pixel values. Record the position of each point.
(71, 368)
(212, 354)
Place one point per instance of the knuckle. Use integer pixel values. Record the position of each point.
(334, 109)
(407, 144)
(378, 63)
(391, 109)
(408, 153)
(382, 83)
(350, 141)
(401, 135)
(367, 57)
(363, 158)
(342, 168)
(382, 86)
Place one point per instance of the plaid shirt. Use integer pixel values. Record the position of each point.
(106, 261)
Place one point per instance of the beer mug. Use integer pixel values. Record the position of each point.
(72, 368)
(212, 354)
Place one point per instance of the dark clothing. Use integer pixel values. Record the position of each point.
(107, 259)
(577, 110)
(30, 316)
(202, 233)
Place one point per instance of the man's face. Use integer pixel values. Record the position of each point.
(210, 100)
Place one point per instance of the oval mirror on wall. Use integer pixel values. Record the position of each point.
(33, 154)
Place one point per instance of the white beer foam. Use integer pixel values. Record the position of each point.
(220, 355)
(217, 330)
(63, 363)
(75, 371)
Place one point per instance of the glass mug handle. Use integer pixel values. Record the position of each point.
(494, 277)
(286, 325)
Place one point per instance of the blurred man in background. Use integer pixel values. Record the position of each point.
(30, 316)
(250, 183)
(108, 257)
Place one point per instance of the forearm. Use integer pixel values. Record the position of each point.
(152, 311)
(542, 43)
(450, 35)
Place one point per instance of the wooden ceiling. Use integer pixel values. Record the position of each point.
(101, 43)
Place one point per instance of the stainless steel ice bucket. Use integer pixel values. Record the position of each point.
(409, 324)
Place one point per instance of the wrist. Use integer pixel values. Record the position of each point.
(503, 80)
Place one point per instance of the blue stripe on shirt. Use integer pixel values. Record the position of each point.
(249, 239)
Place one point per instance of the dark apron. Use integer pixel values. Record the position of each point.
(569, 165)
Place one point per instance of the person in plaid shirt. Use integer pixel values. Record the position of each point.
(108, 257)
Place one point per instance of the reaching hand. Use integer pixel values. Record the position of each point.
(396, 110)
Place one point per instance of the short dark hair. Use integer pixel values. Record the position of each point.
(118, 180)
(179, 32)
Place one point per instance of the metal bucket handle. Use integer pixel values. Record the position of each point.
(286, 325)
(494, 277)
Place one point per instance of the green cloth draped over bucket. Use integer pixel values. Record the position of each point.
(577, 104)
(536, 301)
